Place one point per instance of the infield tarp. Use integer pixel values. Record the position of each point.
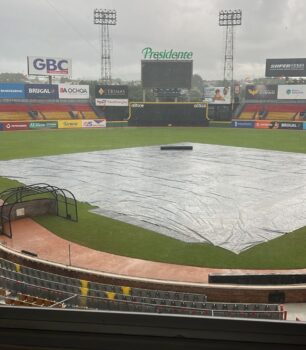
(231, 197)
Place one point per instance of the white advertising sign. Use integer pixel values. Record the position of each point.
(291, 92)
(117, 102)
(49, 66)
(96, 123)
(73, 91)
(217, 94)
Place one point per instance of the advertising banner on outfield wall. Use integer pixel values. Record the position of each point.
(12, 90)
(261, 92)
(114, 102)
(96, 123)
(304, 125)
(217, 94)
(73, 91)
(38, 65)
(291, 92)
(41, 91)
(1, 126)
(52, 124)
(242, 124)
(69, 124)
(111, 91)
(12, 126)
(286, 67)
(268, 124)
(263, 124)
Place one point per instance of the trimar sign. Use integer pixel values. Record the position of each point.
(149, 53)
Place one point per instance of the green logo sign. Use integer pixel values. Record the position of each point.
(43, 125)
(148, 53)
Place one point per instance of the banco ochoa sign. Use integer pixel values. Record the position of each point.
(73, 91)
(149, 53)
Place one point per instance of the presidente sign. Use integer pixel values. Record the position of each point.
(149, 53)
(49, 66)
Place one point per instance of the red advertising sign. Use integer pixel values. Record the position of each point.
(269, 124)
(263, 124)
(12, 126)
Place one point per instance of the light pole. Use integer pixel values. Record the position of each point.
(105, 18)
(229, 19)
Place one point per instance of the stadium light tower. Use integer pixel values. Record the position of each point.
(105, 18)
(229, 19)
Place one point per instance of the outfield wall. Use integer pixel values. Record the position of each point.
(53, 124)
(268, 124)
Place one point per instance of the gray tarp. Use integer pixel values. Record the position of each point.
(231, 197)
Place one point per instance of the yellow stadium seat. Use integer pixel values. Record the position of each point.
(14, 116)
(246, 115)
(57, 115)
(280, 116)
(111, 295)
(126, 290)
(90, 115)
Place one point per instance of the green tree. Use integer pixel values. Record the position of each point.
(13, 78)
(197, 82)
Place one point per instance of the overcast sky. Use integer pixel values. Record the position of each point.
(64, 28)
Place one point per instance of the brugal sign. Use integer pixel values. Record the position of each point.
(148, 53)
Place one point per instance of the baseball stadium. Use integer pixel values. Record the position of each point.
(158, 221)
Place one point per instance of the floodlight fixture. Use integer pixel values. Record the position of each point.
(105, 17)
(230, 18)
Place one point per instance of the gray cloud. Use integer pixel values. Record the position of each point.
(64, 28)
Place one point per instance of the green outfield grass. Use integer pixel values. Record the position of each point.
(113, 236)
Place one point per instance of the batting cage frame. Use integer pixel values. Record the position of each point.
(34, 200)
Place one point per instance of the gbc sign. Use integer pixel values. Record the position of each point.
(49, 66)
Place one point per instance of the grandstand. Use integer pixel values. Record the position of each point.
(25, 286)
(272, 111)
(45, 111)
(14, 112)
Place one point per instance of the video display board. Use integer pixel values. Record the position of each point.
(166, 74)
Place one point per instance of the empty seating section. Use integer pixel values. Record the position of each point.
(56, 115)
(280, 116)
(14, 112)
(89, 115)
(85, 111)
(281, 111)
(247, 115)
(22, 285)
(14, 116)
(51, 111)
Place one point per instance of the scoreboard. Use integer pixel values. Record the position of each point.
(166, 74)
